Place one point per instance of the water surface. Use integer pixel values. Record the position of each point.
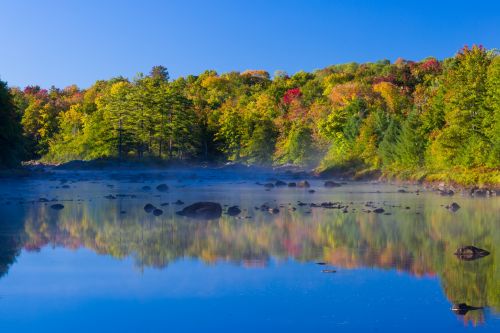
(106, 265)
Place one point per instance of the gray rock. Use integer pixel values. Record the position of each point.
(233, 211)
(453, 207)
(157, 212)
(304, 184)
(148, 208)
(202, 211)
(57, 206)
(162, 187)
(331, 183)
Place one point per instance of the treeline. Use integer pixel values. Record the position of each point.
(407, 118)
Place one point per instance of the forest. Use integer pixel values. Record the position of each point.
(422, 120)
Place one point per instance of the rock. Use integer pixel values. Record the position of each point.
(233, 211)
(164, 204)
(453, 207)
(292, 184)
(311, 191)
(178, 202)
(202, 210)
(148, 208)
(162, 187)
(157, 212)
(480, 192)
(43, 200)
(303, 184)
(331, 183)
(146, 188)
(57, 206)
(446, 192)
(328, 271)
(274, 210)
(401, 190)
(269, 185)
(280, 183)
(470, 252)
(65, 186)
(110, 196)
(264, 207)
(378, 210)
(462, 308)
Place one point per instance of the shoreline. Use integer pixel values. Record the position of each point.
(445, 187)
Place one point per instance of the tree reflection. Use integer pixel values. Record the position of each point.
(420, 244)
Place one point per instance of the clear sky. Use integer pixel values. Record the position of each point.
(60, 42)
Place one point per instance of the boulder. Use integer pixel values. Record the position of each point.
(462, 308)
(269, 185)
(280, 183)
(378, 210)
(453, 207)
(57, 206)
(233, 211)
(162, 187)
(304, 184)
(470, 252)
(157, 212)
(331, 183)
(202, 211)
(148, 208)
(292, 184)
(273, 210)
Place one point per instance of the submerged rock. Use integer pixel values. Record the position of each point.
(110, 196)
(233, 211)
(269, 185)
(146, 188)
(178, 202)
(148, 208)
(378, 210)
(470, 252)
(202, 211)
(292, 184)
(57, 206)
(162, 187)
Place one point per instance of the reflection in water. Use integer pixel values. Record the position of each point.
(421, 241)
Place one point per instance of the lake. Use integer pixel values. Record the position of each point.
(103, 264)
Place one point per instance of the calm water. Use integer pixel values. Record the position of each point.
(105, 265)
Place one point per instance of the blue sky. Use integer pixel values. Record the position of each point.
(60, 42)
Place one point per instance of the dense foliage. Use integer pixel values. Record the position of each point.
(11, 142)
(434, 118)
